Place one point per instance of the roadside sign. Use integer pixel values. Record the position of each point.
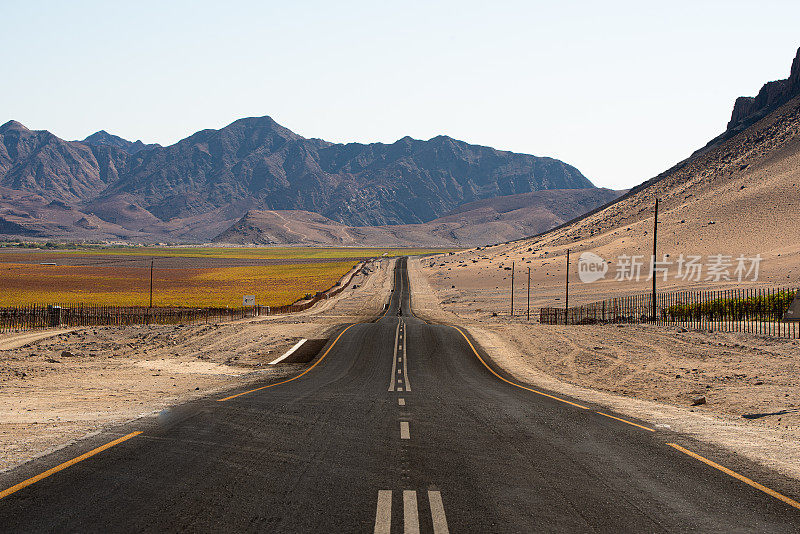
(249, 300)
(793, 313)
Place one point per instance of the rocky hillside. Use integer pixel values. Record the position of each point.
(772, 95)
(737, 197)
(40, 163)
(254, 163)
(747, 110)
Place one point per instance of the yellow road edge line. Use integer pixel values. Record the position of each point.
(294, 377)
(514, 383)
(626, 421)
(61, 467)
(734, 474)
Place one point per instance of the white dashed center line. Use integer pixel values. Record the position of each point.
(401, 401)
(405, 431)
(405, 363)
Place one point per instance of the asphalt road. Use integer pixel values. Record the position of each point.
(398, 426)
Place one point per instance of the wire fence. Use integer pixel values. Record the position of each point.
(757, 311)
(38, 316)
(49, 316)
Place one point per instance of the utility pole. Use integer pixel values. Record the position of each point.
(566, 297)
(653, 268)
(151, 282)
(512, 289)
(529, 293)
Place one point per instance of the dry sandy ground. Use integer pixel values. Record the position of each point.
(114, 374)
(751, 383)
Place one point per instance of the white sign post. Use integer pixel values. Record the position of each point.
(249, 300)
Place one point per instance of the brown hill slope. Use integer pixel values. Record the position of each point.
(737, 197)
(477, 223)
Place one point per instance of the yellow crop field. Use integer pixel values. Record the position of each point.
(120, 285)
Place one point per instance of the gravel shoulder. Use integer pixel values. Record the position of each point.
(751, 383)
(58, 386)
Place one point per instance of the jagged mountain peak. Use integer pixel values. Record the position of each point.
(261, 123)
(13, 125)
(103, 138)
(749, 109)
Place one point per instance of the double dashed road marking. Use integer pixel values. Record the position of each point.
(383, 512)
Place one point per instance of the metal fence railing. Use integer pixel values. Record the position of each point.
(758, 311)
(41, 316)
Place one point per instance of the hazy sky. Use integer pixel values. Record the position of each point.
(621, 90)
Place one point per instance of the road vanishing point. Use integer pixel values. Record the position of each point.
(398, 425)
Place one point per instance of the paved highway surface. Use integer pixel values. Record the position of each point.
(397, 426)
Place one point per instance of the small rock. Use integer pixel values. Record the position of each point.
(682, 330)
(66, 354)
(697, 401)
(52, 360)
(759, 383)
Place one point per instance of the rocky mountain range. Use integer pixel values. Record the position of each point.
(103, 138)
(476, 223)
(197, 187)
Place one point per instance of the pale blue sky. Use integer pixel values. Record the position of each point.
(621, 90)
